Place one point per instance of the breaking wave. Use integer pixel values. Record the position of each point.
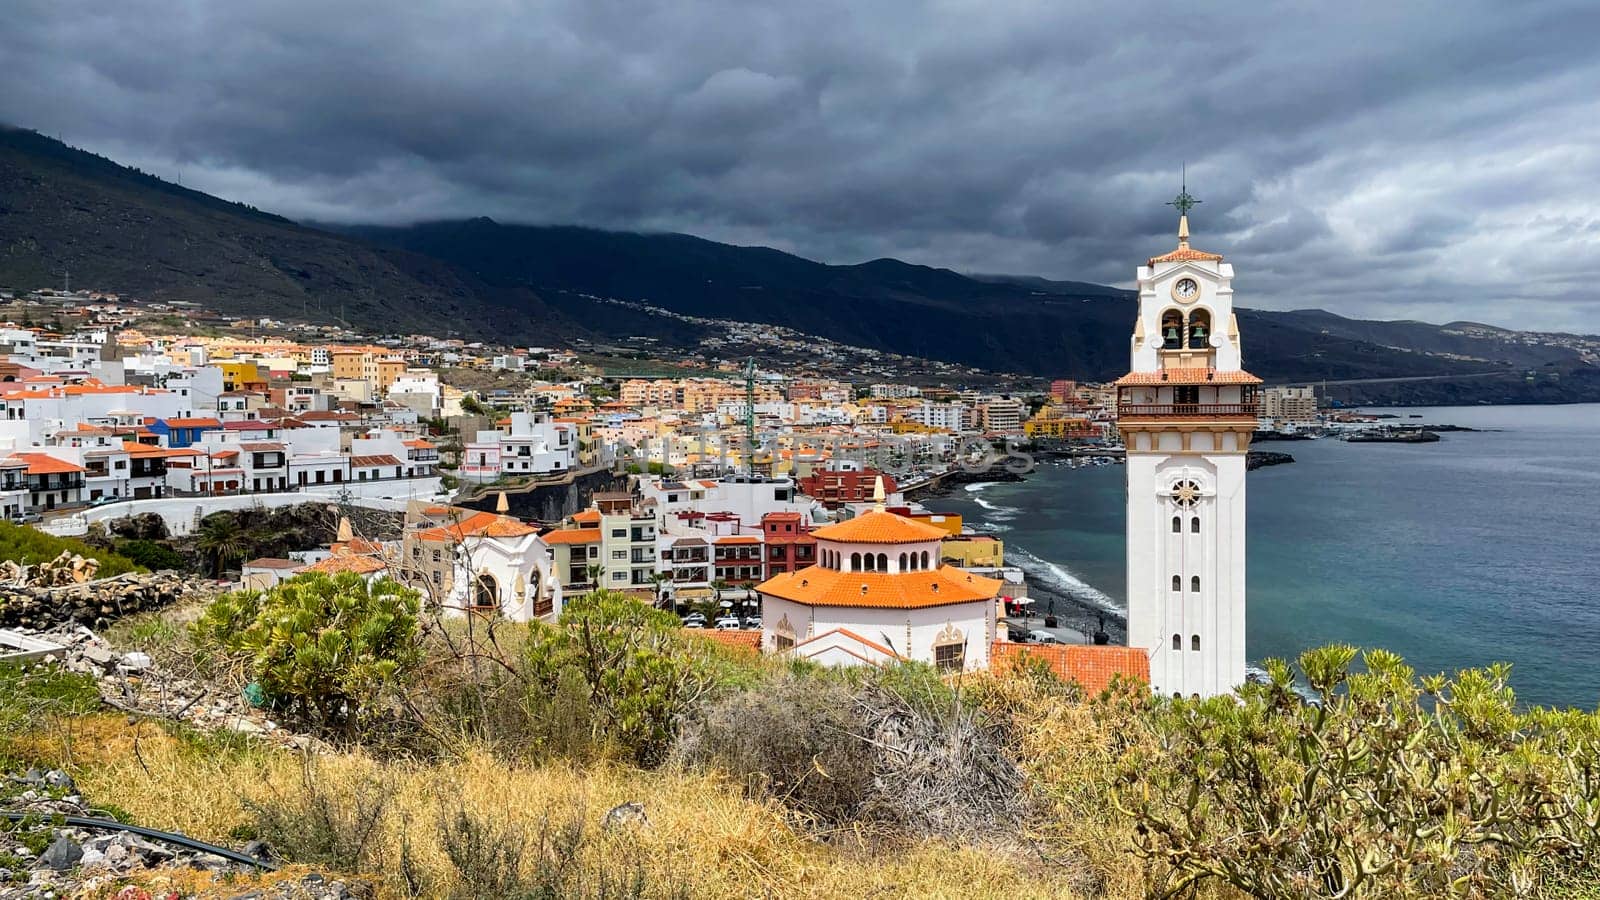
(1057, 578)
(995, 512)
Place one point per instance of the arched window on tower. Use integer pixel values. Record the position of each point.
(1177, 582)
(1177, 525)
(1194, 524)
(902, 562)
(1199, 330)
(1194, 642)
(924, 559)
(855, 562)
(1194, 584)
(883, 562)
(1177, 642)
(1171, 330)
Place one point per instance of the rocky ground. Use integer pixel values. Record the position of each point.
(46, 854)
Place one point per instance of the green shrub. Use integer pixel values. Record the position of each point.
(324, 648)
(152, 555)
(1381, 787)
(643, 673)
(30, 546)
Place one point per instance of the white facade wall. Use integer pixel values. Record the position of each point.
(912, 633)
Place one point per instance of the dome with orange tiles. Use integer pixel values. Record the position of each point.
(879, 527)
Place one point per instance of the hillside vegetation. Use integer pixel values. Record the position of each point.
(614, 755)
(30, 546)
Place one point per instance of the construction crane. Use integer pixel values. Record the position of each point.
(750, 416)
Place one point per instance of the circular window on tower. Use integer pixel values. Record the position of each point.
(1185, 493)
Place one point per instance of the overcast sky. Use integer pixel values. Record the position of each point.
(1397, 159)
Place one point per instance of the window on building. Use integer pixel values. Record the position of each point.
(924, 559)
(1194, 584)
(869, 562)
(949, 657)
(1177, 524)
(1194, 642)
(486, 594)
(1177, 644)
(436, 555)
(438, 578)
(883, 562)
(1177, 582)
(1194, 525)
(782, 642)
(902, 562)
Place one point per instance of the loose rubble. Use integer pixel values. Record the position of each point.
(65, 590)
(85, 861)
(133, 683)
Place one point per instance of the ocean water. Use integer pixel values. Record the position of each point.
(1483, 547)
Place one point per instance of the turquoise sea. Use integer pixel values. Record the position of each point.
(1482, 547)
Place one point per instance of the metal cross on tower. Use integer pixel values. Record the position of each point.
(1184, 201)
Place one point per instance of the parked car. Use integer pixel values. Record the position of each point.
(753, 622)
(694, 617)
(727, 624)
(1042, 637)
(694, 624)
(102, 501)
(27, 518)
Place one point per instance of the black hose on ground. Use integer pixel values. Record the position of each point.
(153, 834)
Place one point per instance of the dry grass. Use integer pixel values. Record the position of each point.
(704, 839)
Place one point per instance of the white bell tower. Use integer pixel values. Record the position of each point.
(1186, 410)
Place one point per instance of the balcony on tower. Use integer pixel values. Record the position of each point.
(1201, 394)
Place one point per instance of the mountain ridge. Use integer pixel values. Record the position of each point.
(124, 230)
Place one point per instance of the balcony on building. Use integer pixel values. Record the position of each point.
(1188, 393)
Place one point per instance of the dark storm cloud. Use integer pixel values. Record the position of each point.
(1428, 160)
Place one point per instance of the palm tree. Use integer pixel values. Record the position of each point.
(222, 540)
(595, 570)
(717, 587)
(657, 580)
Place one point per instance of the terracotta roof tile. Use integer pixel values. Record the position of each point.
(333, 565)
(818, 586)
(382, 459)
(572, 536)
(483, 524)
(879, 528)
(741, 640)
(45, 464)
(1186, 254)
(1091, 666)
(1198, 375)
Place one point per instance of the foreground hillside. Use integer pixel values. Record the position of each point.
(614, 755)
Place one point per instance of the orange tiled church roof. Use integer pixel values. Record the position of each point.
(879, 527)
(818, 586)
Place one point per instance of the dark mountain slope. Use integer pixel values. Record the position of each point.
(1026, 325)
(114, 228)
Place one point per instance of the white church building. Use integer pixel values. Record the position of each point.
(1186, 411)
(877, 594)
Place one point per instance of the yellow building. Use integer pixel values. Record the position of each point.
(1053, 422)
(974, 551)
(237, 374)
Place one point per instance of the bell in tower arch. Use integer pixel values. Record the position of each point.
(1199, 330)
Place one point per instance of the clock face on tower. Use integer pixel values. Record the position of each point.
(1185, 289)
